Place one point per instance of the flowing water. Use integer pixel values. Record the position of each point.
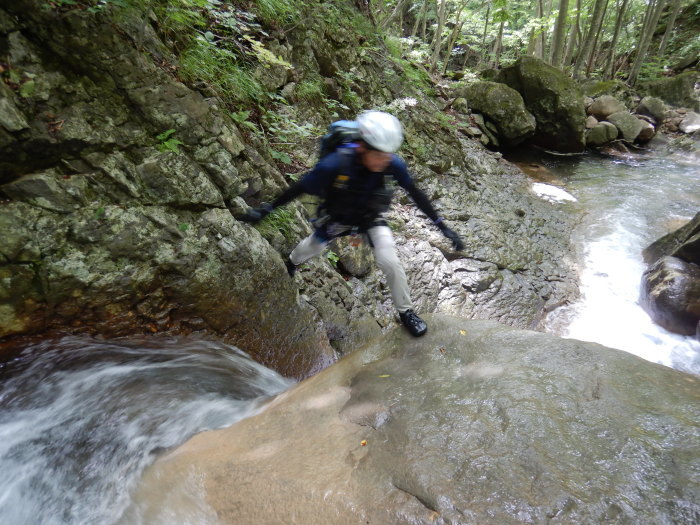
(81, 418)
(628, 204)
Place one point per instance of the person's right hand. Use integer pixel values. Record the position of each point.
(255, 215)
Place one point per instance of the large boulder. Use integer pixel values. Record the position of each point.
(504, 107)
(553, 98)
(653, 107)
(678, 91)
(604, 106)
(628, 124)
(691, 123)
(601, 133)
(671, 294)
(671, 286)
(473, 423)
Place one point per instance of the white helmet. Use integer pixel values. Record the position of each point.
(380, 130)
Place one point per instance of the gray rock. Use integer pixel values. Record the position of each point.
(646, 133)
(49, 190)
(605, 106)
(504, 107)
(671, 294)
(690, 123)
(628, 124)
(553, 98)
(473, 423)
(653, 107)
(591, 122)
(601, 134)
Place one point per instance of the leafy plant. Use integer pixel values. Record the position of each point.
(241, 117)
(333, 258)
(167, 142)
(280, 220)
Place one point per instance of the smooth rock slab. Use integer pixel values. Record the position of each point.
(474, 423)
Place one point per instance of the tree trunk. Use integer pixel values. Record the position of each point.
(598, 32)
(421, 15)
(498, 45)
(591, 33)
(610, 64)
(574, 37)
(400, 5)
(453, 37)
(483, 38)
(539, 47)
(669, 27)
(645, 40)
(557, 47)
(451, 44)
(437, 41)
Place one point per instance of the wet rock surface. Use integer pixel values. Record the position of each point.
(105, 230)
(473, 423)
(671, 286)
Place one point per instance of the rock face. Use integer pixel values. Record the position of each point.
(553, 98)
(109, 227)
(671, 286)
(679, 90)
(474, 423)
(504, 107)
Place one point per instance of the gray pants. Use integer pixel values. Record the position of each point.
(384, 253)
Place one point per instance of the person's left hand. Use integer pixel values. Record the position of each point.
(457, 243)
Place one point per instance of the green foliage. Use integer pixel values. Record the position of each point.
(168, 142)
(280, 220)
(183, 227)
(100, 213)
(652, 69)
(220, 67)
(241, 117)
(333, 258)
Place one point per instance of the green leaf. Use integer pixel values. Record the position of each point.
(183, 227)
(27, 89)
(165, 134)
(282, 157)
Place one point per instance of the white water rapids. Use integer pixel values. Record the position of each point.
(628, 204)
(81, 418)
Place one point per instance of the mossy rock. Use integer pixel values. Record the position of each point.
(555, 101)
(504, 107)
(677, 91)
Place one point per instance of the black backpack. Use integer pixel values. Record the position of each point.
(339, 133)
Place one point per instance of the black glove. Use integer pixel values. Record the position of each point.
(255, 215)
(457, 243)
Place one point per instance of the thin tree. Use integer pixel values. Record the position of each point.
(437, 41)
(574, 36)
(610, 63)
(557, 48)
(669, 27)
(591, 33)
(421, 15)
(453, 37)
(594, 49)
(645, 39)
(483, 38)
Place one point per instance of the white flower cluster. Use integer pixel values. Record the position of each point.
(402, 103)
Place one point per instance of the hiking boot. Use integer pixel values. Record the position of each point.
(291, 267)
(414, 324)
